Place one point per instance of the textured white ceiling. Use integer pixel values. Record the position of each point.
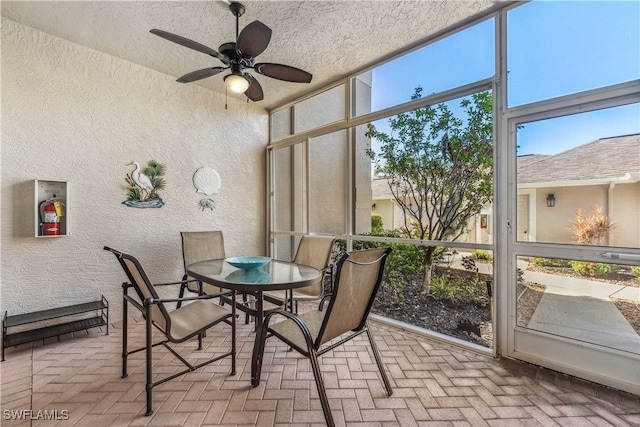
(329, 39)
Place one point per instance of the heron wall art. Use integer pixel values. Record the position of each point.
(144, 185)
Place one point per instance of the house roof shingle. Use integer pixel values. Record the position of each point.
(602, 159)
(605, 158)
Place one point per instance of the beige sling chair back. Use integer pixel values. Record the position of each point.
(358, 278)
(176, 326)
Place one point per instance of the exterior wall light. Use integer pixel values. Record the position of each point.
(373, 207)
(551, 200)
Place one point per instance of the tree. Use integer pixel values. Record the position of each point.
(439, 168)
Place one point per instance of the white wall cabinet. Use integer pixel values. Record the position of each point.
(51, 208)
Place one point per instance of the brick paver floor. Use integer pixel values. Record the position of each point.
(77, 380)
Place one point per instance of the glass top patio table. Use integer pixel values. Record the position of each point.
(276, 275)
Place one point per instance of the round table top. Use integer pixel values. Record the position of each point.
(276, 275)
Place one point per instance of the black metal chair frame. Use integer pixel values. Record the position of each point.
(313, 344)
(145, 308)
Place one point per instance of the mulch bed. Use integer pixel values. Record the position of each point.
(465, 320)
(630, 310)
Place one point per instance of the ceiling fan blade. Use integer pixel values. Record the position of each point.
(283, 72)
(190, 44)
(254, 92)
(253, 39)
(200, 74)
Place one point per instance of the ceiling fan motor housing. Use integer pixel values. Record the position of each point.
(229, 49)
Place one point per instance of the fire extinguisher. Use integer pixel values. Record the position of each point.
(50, 218)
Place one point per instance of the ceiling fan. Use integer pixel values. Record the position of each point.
(238, 57)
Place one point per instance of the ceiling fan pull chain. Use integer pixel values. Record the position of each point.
(226, 96)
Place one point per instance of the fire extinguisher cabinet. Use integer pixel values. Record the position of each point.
(51, 208)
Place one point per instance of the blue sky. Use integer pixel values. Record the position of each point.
(470, 53)
(583, 45)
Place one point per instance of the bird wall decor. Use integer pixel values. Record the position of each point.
(143, 185)
(141, 180)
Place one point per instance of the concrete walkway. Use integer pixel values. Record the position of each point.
(583, 310)
(579, 309)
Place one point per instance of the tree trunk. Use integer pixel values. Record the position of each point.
(426, 278)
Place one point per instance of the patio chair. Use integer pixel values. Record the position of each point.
(358, 278)
(199, 246)
(314, 251)
(177, 326)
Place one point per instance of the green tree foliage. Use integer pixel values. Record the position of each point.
(376, 224)
(439, 168)
(403, 263)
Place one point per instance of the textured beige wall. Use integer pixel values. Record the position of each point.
(554, 223)
(387, 210)
(625, 213)
(70, 113)
(621, 204)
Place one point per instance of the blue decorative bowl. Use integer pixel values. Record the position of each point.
(248, 262)
(248, 276)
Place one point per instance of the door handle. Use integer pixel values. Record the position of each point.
(622, 257)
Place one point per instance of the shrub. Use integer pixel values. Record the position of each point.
(636, 270)
(404, 262)
(551, 262)
(594, 269)
(376, 224)
(443, 288)
(483, 255)
(590, 230)
(469, 264)
(474, 291)
(459, 290)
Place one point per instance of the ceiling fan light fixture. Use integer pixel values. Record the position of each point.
(236, 83)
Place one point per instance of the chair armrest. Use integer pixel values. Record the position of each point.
(323, 300)
(220, 294)
(209, 296)
(179, 282)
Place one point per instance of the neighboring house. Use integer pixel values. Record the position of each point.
(384, 204)
(577, 179)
